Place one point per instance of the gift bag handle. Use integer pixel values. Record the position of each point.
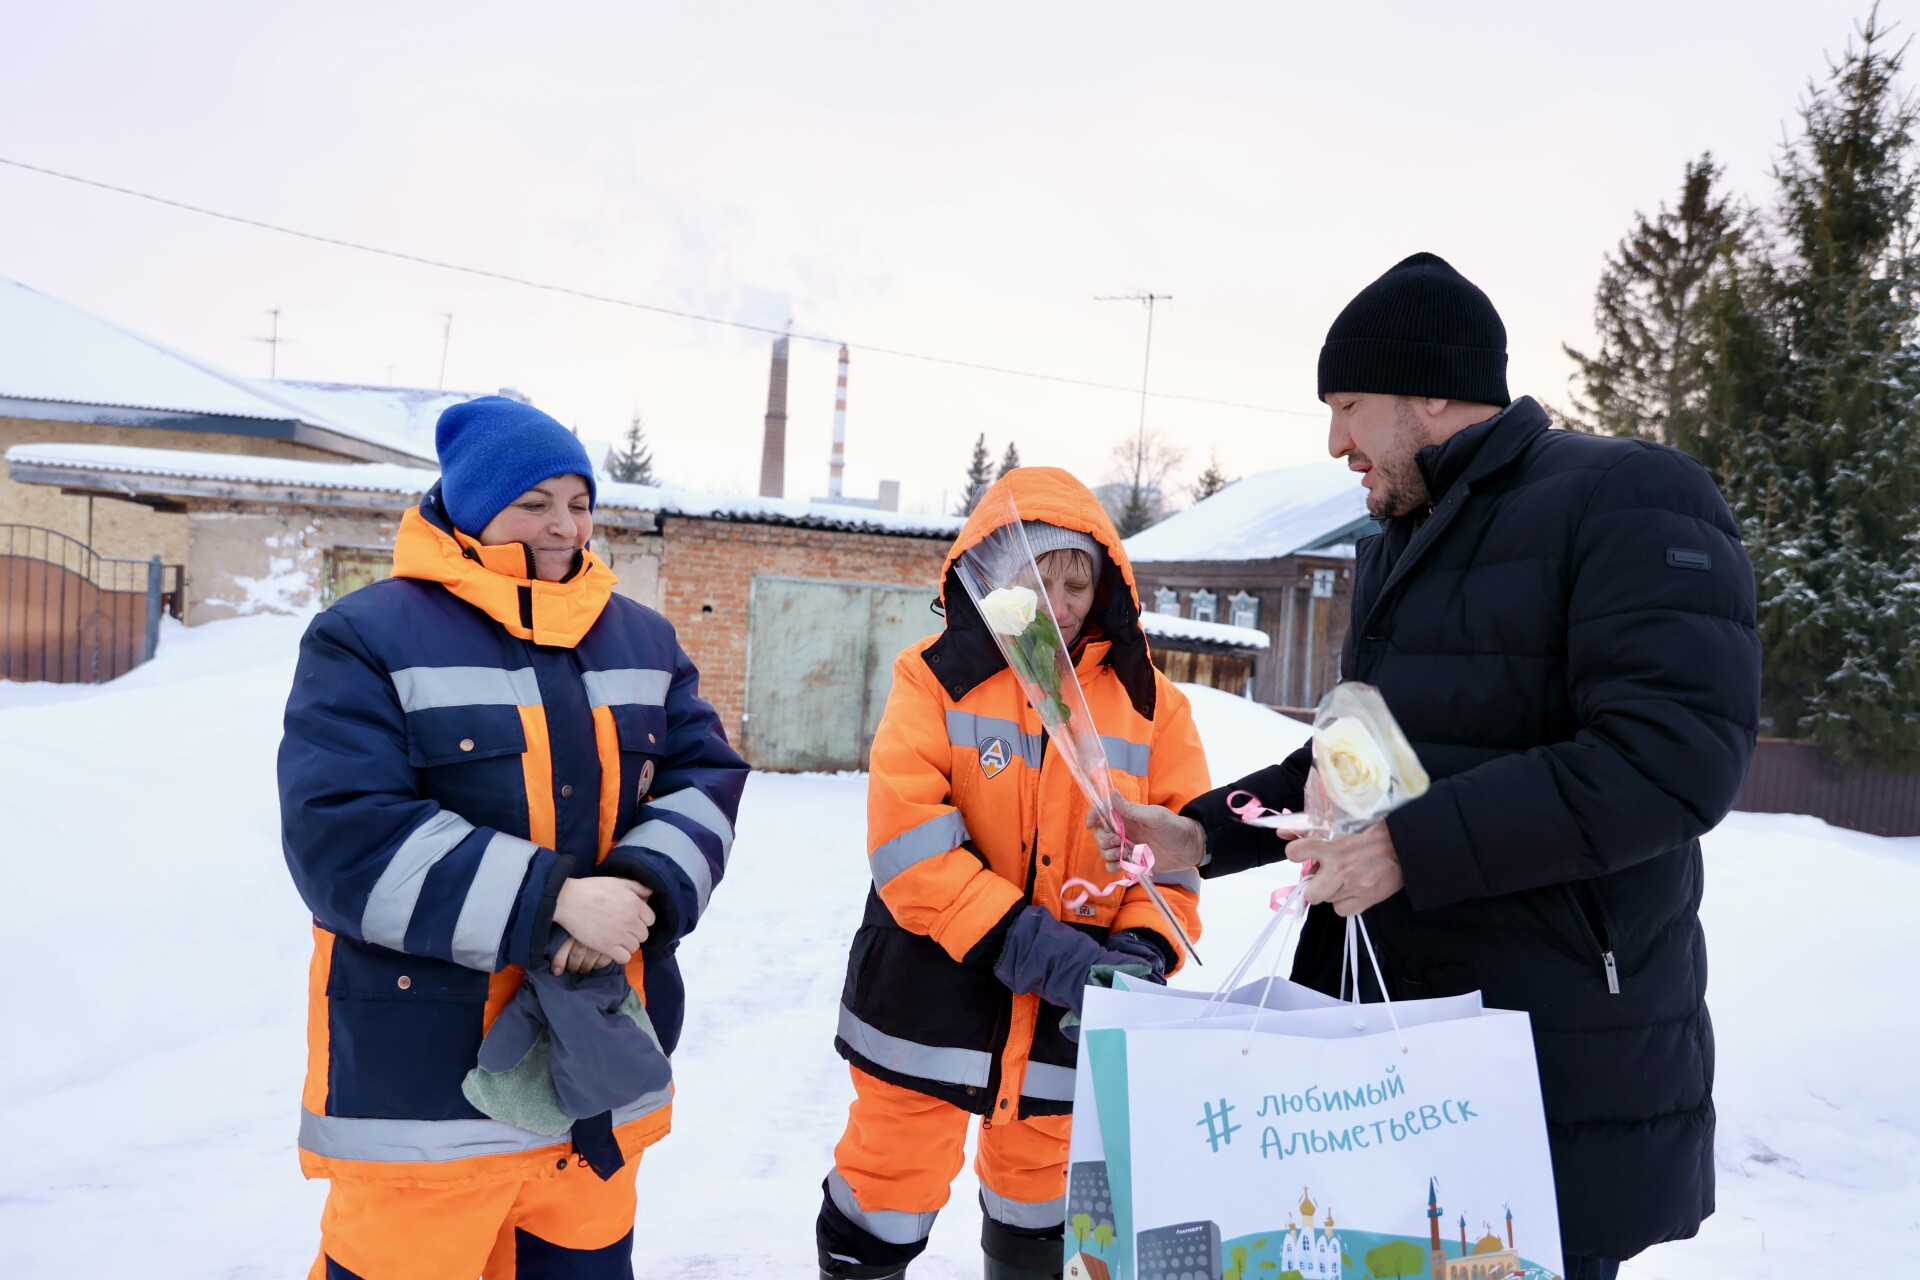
(1289, 908)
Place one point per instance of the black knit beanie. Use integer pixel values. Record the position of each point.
(1422, 329)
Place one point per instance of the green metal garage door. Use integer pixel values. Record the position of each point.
(820, 665)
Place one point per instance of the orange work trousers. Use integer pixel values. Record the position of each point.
(383, 1231)
(902, 1149)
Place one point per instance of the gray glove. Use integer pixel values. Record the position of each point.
(566, 1048)
(1055, 961)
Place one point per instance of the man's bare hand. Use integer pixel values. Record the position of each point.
(605, 914)
(1355, 872)
(1177, 842)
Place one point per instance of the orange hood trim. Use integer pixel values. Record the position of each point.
(1052, 495)
(493, 580)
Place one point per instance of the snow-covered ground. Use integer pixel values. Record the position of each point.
(153, 1029)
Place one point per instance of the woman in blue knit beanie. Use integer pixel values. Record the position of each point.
(500, 793)
(509, 473)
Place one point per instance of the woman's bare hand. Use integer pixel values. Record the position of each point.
(605, 914)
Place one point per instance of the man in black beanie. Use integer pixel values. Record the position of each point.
(1563, 624)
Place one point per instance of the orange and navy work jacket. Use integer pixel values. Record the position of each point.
(460, 739)
(971, 816)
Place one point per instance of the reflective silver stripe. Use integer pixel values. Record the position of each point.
(643, 685)
(677, 846)
(1128, 757)
(390, 905)
(1048, 1083)
(926, 1062)
(964, 729)
(895, 1226)
(916, 844)
(489, 901)
(691, 802)
(1187, 878)
(396, 1141)
(424, 688)
(1024, 1213)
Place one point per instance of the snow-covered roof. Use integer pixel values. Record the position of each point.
(1172, 628)
(799, 511)
(367, 477)
(1263, 517)
(393, 479)
(54, 353)
(400, 417)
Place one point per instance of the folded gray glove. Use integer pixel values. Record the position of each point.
(566, 1048)
(1055, 961)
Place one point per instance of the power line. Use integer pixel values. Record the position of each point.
(630, 303)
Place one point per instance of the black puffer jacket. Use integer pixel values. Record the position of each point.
(1568, 640)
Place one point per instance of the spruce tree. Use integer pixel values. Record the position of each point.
(1830, 509)
(1210, 481)
(1646, 377)
(1010, 460)
(633, 464)
(979, 478)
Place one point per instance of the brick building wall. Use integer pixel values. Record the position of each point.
(707, 569)
(114, 528)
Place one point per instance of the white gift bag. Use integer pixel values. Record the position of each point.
(1312, 1141)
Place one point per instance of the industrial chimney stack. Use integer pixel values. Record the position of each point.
(837, 464)
(773, 452)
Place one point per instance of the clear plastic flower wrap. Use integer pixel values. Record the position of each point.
(1363, 768)
(1001, 576)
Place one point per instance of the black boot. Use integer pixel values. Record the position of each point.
(1012, 1254)
(841, 1243)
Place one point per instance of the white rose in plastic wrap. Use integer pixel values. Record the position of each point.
(1353, 766)
(1010, 610)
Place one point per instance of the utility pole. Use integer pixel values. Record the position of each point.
(1146, 362)
(273, 345)
(1146, 298)
(446, 340)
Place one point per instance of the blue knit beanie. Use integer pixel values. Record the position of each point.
(494, 449)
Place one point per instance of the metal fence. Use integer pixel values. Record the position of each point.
(1795, 777)
(70, 615)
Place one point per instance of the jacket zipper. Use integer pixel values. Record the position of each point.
(1588, 904)
(1005, 1030)
(1033, 850)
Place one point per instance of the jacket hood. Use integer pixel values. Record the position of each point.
(966, 654)
(499, 580)
(1041, 493)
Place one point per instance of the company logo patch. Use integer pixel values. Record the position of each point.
(646, 779)
(995, 755)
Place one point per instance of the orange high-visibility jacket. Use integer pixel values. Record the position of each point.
(971, 815)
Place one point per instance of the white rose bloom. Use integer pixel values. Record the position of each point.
(1010, 610)
(1353, 766)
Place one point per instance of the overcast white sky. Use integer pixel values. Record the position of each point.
(959, 180)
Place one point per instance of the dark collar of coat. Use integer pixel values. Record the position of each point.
(965, 655)
(1481, 449)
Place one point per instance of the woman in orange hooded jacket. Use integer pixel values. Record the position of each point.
(967, 957)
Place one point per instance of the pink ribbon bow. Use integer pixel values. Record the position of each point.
(1135, 861)
(1251, 810)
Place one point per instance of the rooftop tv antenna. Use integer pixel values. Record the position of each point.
(274, 341)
